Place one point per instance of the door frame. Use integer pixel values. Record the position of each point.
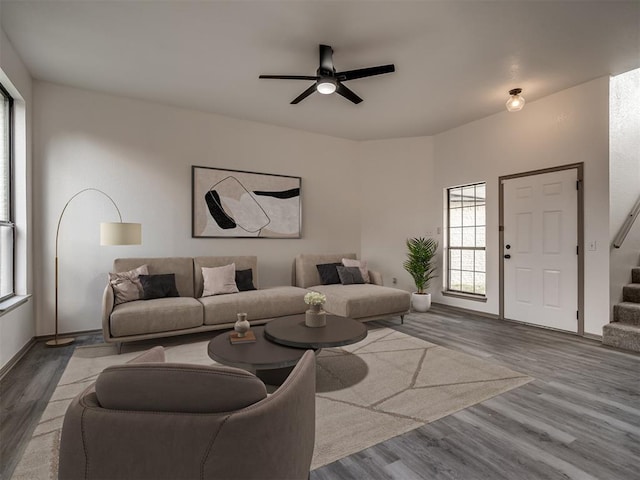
(580, 225)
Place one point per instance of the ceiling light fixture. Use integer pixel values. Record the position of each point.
(326, 85)
(516, 101)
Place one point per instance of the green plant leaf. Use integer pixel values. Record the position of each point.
(419, 262)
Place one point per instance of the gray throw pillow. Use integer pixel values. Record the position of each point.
(349, 275)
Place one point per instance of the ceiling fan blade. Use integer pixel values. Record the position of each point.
(290, 77)
(326, 59)
(348, 94)
(304, 94)
(365, 72)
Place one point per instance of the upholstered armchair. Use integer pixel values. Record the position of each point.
(154, 420)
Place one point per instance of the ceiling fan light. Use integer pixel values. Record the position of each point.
(516, 101)
(326, 86)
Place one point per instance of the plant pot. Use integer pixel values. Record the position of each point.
(421, 302)
(315, 317)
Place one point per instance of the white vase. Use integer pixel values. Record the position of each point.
(315, 317)
(242, 325)
(421, 302)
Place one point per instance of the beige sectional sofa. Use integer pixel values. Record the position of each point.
(188, 313)
(363, 302)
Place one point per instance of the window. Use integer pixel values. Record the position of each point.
(7, 227)
(466, 234)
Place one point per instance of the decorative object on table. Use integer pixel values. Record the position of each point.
(315, 317)
(118, 233)
(234, 203)
(422, 269)
(248, 337)
(242, 325)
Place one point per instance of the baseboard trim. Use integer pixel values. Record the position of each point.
(17, 357)
(466, 310)
(42, 338)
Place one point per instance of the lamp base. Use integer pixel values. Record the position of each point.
(60, 342)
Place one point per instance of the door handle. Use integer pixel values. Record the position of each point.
(507, 256)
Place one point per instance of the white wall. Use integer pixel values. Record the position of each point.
(17, 326)
(366, 197)
(624, 172)
(141, 154)
(567, 127)
(396, 178)
(404, 181)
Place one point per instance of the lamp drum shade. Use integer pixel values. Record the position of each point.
(120, 233)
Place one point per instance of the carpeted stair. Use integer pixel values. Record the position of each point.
(624, 330)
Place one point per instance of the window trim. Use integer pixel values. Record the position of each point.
(447, 290)
(11, 223)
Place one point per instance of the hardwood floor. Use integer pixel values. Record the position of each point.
(579, 418)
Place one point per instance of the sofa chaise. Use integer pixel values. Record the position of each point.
(362, 302)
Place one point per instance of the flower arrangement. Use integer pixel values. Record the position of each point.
(315, 298)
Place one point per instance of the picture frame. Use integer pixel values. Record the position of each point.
(241, 204)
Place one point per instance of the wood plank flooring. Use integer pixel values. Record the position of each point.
(579, 418)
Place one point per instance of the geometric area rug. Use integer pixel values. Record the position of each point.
(368, 392)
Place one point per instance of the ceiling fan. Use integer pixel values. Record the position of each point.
(329, 81)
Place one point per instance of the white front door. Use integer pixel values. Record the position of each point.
(540, 249)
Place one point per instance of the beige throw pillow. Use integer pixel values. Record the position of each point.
(361, 264)
(126, 285)
(219, 280)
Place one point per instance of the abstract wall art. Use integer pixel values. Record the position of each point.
(234, 203)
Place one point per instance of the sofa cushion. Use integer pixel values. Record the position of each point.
(306, 273)
(349, 275)
(258, 304)
(361, 264)
(182, 267)
(154, 316)
(242, 263)
(174, 387)
(364, 300)
(126, 285)
(244, 280)
(159, 286)
(329, 273)
(219, 280)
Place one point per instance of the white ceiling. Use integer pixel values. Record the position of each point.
(455, 60)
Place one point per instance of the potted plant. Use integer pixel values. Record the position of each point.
(419, 264)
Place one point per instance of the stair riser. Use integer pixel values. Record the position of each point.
(621, 339)
(629, 315)
(631, 293)
(635, 275)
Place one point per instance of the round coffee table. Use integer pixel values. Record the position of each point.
(259, 355)
(292, 332)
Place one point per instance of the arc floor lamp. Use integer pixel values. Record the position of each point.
(117, 233)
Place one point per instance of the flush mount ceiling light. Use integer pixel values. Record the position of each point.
(516, 101)
(326, 85)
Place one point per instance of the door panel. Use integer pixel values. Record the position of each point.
(540, 240)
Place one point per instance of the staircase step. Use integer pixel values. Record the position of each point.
(635, 274)
(627, 313)
(622, 336)
(631, 293)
